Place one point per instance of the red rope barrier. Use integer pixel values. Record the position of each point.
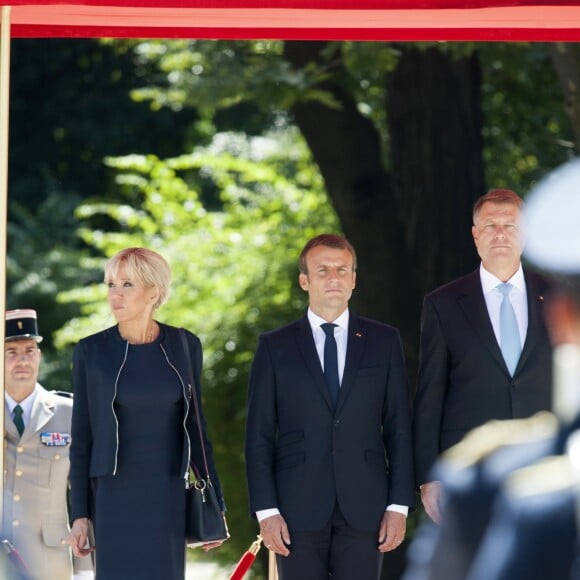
(246, 560)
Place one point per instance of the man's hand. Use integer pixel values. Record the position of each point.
(78, 536)
(274, 532)
(392, 531)
(432, 496)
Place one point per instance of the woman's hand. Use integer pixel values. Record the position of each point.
(78, 537)
(211, 545)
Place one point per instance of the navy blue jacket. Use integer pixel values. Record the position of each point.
(97, 364)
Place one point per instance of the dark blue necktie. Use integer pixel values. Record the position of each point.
(18, 420)
(331, 361)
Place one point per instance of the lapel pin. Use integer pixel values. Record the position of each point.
(540, 297)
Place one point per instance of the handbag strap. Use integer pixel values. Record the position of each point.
(193, 391)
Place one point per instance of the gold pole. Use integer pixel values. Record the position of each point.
(4, 111)
(272, 570)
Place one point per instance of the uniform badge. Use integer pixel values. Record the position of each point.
(55, 439)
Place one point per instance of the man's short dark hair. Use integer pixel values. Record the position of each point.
(330, 241)
(497, 196)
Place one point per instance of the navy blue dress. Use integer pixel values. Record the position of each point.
(139, 511)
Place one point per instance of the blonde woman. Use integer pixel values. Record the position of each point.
(134, 430)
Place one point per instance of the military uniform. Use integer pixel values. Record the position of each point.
(472, 474)
(36, 480)
(532, 534)
(35, 519)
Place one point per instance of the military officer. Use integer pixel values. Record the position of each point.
(37, 441)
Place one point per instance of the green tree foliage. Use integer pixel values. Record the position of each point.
(405, 136)
(526, 129)
(234, 269)
(69, 108)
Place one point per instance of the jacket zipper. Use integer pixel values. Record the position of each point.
(113, 406)
(186, 474)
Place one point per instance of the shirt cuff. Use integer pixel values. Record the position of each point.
(263, 514)
(394, 507)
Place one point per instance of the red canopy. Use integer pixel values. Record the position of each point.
(405, 20)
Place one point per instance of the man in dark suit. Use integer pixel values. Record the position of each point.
(485, 352)
(534, 527)
(328, 441)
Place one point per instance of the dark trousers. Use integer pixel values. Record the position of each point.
(336, 552)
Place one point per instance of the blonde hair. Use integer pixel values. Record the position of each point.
(148, 267)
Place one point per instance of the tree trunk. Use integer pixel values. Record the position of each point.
(566, 60)
(410, 224)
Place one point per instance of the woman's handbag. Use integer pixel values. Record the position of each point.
(204, 521)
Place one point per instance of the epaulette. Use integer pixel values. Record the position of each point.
(482, 441)
(549, 475)
(66, 394)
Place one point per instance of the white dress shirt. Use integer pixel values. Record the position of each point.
(341, 337)
(517, 296)
(26, 405)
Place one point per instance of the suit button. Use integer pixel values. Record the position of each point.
(336, 422)
(15, 523)
(62, 541)
(18, 473)
(19, 449)
(57, 456)
(16, 497)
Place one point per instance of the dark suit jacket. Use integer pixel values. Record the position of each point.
(302, 456)
(463, 381)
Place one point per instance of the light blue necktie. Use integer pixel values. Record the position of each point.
(509, 333)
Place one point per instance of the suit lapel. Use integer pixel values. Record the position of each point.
(474, 308)
(535, 318)
(307, 348)
(42, 413)
(354, 349)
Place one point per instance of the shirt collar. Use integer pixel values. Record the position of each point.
(490, 282)
(26, 404)
(315, 320)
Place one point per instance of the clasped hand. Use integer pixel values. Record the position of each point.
(78, 538)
